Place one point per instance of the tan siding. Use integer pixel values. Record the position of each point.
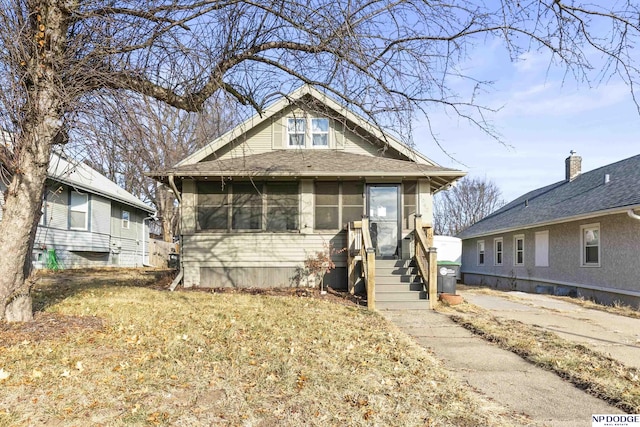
(256, 250)
(306, 203)
(425, 201)
(278, 132)
(257, 140)
(356, 145)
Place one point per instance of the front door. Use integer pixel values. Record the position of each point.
(383, 201)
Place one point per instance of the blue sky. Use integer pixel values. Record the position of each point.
(541, 119)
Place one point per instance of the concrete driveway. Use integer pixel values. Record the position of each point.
(611, 334)
(510, 380)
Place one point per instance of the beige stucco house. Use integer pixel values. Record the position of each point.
(579, 236)
(289, 182)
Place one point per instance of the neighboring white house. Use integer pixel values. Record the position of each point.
(579, 236)
(88, 220)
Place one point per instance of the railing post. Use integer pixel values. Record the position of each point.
(371, 280)
(417, 220)
(433, 277)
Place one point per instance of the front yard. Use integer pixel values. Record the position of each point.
(116, 348)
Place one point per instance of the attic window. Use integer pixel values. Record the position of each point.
(309, 132)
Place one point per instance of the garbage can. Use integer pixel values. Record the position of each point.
(447, 276)
(174, 261)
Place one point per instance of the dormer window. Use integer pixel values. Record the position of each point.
(310, 132)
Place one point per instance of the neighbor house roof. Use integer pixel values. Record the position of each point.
(81, 176)
(588, 195)
(312, 164)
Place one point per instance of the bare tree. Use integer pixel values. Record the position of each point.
(124, 138)
(464, 204)
(385, 58)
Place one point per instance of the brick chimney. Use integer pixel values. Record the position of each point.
(573, 166)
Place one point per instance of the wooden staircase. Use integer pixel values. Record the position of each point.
(398, 286)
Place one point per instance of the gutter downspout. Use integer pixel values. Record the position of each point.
(144, 240)
(633, 215)
(178, 279)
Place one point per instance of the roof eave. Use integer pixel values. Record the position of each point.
(595, 214)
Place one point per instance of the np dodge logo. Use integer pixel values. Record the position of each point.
(623, 420)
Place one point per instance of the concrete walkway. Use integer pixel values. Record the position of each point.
(616, 336)
(501, 375)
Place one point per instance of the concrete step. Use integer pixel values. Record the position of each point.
(403, 287)
(390, 263)
(400, 296)
(422, 304)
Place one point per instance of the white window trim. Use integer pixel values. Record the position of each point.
(83, 207)
(308, 133)
(515, 250)
(495, 251)
(126, 222)
(289, 133)
(583, 245)
(484, 252)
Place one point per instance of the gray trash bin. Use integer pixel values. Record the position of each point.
(447, 277)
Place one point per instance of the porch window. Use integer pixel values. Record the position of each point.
(590, 240)
(213, 207)
(337, 203)
(241, 206)
(247, 207)
(409, 194)
(327, 205)
(78, 211)
(282, 206)
(480, 252)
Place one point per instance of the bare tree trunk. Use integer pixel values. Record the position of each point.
(21, 216)
(40, 128)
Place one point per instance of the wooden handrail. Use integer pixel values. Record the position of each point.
(368, 255)
(426, 259)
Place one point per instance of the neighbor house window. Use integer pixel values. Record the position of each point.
(480, 252)
(78, 211)
(337, 203)
(125, 219)
(272, 206)
(497, 251)
(518, 249)
(590, 241)
(542, 248)
(308, 132)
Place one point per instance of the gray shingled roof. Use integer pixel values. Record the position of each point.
(587, 194)
(313, 163)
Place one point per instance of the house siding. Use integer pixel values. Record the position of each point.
(617, 277)
(105, 243)
(253, 259)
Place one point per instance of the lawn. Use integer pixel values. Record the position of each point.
(114, 349)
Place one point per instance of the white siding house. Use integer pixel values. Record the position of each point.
(83, 220)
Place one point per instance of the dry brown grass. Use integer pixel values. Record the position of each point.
(104, 353)
(596, 373)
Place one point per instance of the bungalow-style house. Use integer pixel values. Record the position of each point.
(579, 236)
(88, 220)
(297, 180)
